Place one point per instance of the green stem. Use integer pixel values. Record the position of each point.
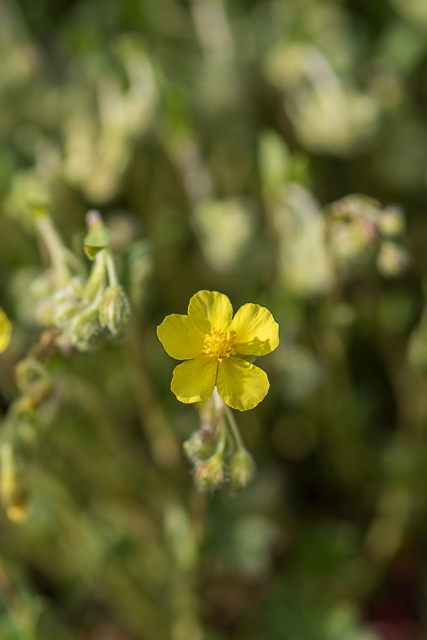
(96, 282)
(223, 410)
(222, 441)
(111, 268)
(55, 248)
(234, 428)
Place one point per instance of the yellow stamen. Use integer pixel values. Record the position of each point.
(218, 344)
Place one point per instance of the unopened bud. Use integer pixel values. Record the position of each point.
(392, 260)
(352, 241)
(66, 303)
(201, 445)
(62, 314)
(114, 311)
(210, 474)
(391, 222)
(241, 470)
(84, 330)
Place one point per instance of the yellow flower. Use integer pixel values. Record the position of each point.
(5, 331)
(217, 349)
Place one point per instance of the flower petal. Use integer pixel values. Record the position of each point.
(240, 384)
(5, 331)
(210, 309)
(256, 331)
(194, 381)
(180, 337)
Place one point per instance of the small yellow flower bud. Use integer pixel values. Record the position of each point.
(115, 311)
(210, 474)
(241, 470)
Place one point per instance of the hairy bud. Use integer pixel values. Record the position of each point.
(391, 222)
(241, 470)
(66, 303)
(392, 259)
(84, 330)
(201, 445)
(114, 311)
(210, 474)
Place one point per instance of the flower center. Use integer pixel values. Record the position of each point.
(218, 344)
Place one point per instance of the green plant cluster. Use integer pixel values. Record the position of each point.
(272, 150)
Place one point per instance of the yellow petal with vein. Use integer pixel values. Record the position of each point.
(240, 384)
(210, 309)
(180, 337)
(194, 380)
(256, 331)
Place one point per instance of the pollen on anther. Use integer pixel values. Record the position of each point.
(218, 344)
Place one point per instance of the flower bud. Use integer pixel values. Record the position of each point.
(66, 303)
(84, 331)
(241, 470)
(392, 260)
(353, 241)
(63, 313)
(115, 311)
(391, 222)
(201, 445)
(210, 474)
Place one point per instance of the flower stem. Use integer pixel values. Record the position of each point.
(111, 268)
(222, 441)
(54, 246)
(223, 410)
(96, 281)
(234, 428)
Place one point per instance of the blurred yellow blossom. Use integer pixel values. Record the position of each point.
(5, 331)
(217, 349)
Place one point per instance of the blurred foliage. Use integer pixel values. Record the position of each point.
(223, 143)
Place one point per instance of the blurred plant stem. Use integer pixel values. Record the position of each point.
(60, 257)
(213, 28)
(183, 547)
(55, 248)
